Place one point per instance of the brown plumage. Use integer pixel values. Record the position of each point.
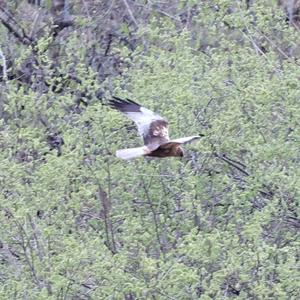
(153, 129)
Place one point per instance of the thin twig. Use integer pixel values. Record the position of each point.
(36, 21)
(167, 15)
(19, 32)
(229, 161)
(274, 45)
(156, 219)
(130, 13)
(235, 161)
(256, 47)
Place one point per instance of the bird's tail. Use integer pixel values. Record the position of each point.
(131, 152)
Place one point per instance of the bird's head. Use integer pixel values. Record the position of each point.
(179, 151)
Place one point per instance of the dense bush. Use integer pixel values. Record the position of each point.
(223, 222)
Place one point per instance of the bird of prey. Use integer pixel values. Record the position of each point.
(153, 129)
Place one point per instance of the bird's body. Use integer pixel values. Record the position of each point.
(153, 129)
(165, 152)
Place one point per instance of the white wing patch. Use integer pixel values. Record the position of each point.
(143, 119)
(132, 152)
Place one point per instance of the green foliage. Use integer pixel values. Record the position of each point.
(78, 223)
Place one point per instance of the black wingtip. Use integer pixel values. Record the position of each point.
(117, 99)
(125, 101)
(124, 105)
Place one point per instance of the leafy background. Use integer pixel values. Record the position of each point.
(77, 222)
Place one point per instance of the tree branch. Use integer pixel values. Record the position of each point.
(15, 28)
(232, 163)
(130, 13)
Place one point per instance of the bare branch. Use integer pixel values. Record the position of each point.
(156, 220)
(15, 29)
(256, 47)
(232, 163)
(105, 214)
(131, 13)
(167, 15)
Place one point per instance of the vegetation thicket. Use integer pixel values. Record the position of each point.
(79, 223)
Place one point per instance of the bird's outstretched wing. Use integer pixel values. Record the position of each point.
(133, 152)
(180, 141)
(151, 126)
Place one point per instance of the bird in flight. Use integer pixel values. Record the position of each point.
(153, 129)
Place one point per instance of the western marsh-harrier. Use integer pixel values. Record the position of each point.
(153, 129)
